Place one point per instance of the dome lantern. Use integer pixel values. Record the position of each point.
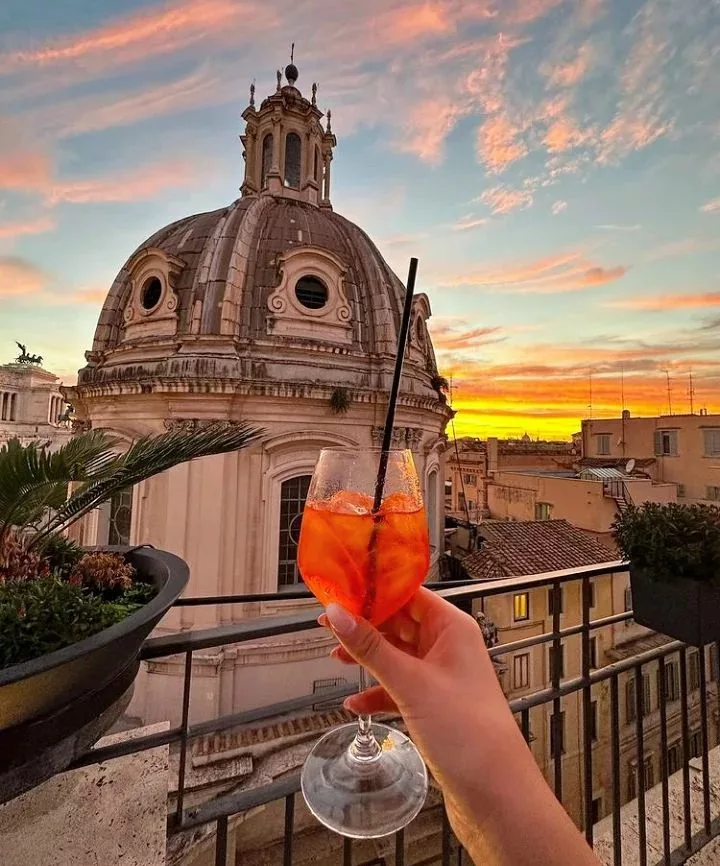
(287, 151)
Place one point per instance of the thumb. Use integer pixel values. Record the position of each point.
(389, 665)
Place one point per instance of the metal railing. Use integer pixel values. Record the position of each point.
(220, 809)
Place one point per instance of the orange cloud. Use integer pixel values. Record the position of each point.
(412, 22)
(28, 227)
(571, 73)
(138, 185)
(499, 143)
(563, 134)
(23, 165)
(429, 124)
(561, 273)
(20, 277)
(669, 302)
(446, 338)
(712, 206)
(143, 35)
(502, 200)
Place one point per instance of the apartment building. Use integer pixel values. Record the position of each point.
(512, 549)
(683, 450)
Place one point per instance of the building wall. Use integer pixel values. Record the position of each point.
(629, 437)
(610, 598)
(222, 516)
(528, 496)
(31, 405)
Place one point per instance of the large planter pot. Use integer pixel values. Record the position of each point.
(53, 708)
(687, 610)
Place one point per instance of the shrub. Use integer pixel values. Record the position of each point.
(671, 542)
(17, 562)
(105, 573)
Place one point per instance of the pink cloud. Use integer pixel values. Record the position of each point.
(20, 277)
(571, 73)
(564, 272)
(711, 206)
(412, 22)
(429, 124)
(24, 165)
(26, 227)
(669, 302)
(502, 200)
(499, 143)
(563, 134)
(134, 185)
(142, 35)
(469, 222)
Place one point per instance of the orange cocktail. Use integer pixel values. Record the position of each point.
(371, 564)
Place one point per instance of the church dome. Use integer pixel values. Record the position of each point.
(263, 290)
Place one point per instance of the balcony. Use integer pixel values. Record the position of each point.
(624, 724)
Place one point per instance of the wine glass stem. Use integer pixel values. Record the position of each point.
(364, 747)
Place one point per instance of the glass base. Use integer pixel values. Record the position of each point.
(364, 799)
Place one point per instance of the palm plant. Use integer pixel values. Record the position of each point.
(42, 493)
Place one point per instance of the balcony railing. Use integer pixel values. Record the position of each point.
(219, 810)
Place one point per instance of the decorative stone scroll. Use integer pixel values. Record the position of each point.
(193, 425)
(402, 437)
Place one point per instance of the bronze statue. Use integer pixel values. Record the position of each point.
(25, 358)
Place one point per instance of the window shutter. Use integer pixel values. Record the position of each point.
(658, 443)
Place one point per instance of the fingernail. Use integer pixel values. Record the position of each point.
(341, 620)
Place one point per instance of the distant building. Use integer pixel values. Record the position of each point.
(683, 450)
(31, 405)
(515, 549)
(470, 463)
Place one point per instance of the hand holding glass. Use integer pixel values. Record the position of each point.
(365, 780)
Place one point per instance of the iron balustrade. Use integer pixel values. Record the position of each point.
(220, 809)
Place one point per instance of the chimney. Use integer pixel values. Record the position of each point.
(625, 414)
(492, 455)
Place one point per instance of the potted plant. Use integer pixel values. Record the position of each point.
(72, 621)
(674, 556)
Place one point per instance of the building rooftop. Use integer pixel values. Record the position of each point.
(510, 549)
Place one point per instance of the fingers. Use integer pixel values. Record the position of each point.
(371, 701)
(386, 662)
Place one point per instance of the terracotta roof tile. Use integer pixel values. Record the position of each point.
(512, 549)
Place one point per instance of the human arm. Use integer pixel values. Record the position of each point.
(432, 666)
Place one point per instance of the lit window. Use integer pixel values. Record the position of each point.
(712, 442)
(521, 606)
(293, 494)
(521, 670)
(120, 517)
(666, 443)
(602, 444)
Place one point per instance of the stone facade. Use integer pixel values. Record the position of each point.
(31, 405)
(273, 311)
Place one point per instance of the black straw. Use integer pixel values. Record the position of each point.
(397, 375)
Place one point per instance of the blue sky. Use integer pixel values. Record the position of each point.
(554, 164)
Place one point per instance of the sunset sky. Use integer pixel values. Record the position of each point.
(554, 164)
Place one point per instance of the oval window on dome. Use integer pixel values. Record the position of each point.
(311, 292)
(151, 293)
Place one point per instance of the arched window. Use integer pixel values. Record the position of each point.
(267, 158)
(316, 172)
(120, 517)
(432, 510)
(293, 494)
(293, 160)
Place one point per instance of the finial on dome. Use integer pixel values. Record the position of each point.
(279, 81)
(314, 93)
(291, 71)
(329, 121)
(252, 94)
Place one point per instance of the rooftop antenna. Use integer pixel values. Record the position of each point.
(622, 386)
(669, 392)
(691, 392)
